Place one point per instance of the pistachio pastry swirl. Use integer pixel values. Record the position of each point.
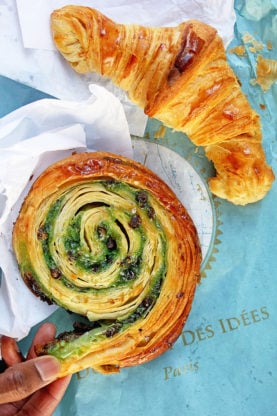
(102, 236)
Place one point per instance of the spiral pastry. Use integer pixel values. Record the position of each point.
(102, 236)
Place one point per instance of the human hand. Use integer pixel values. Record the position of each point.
(30, 387)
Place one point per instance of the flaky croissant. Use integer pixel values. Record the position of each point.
(180, 76)
(105, 238)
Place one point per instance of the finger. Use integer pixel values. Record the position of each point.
(45, 401)
(23, 379)
(10, 351)
(45, 333)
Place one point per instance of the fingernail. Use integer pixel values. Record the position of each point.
(48, 367)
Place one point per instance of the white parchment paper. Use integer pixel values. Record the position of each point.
(34, 16)
(31, 138)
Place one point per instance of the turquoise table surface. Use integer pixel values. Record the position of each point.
(14, 95)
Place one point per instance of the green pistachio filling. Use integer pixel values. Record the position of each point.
(105, 234)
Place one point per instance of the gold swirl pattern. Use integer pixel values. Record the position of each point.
(105, 238)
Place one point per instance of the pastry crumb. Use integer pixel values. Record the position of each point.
(238, 50)
(159, 134)
(256, 46)
(266, 73)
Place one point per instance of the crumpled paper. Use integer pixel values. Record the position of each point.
(31, 138)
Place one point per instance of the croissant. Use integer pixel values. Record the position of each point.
(105, 238)
(180, 76)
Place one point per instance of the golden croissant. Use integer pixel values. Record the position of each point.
(180, 76)
(107, 239)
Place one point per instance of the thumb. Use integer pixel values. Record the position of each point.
(23, 379)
